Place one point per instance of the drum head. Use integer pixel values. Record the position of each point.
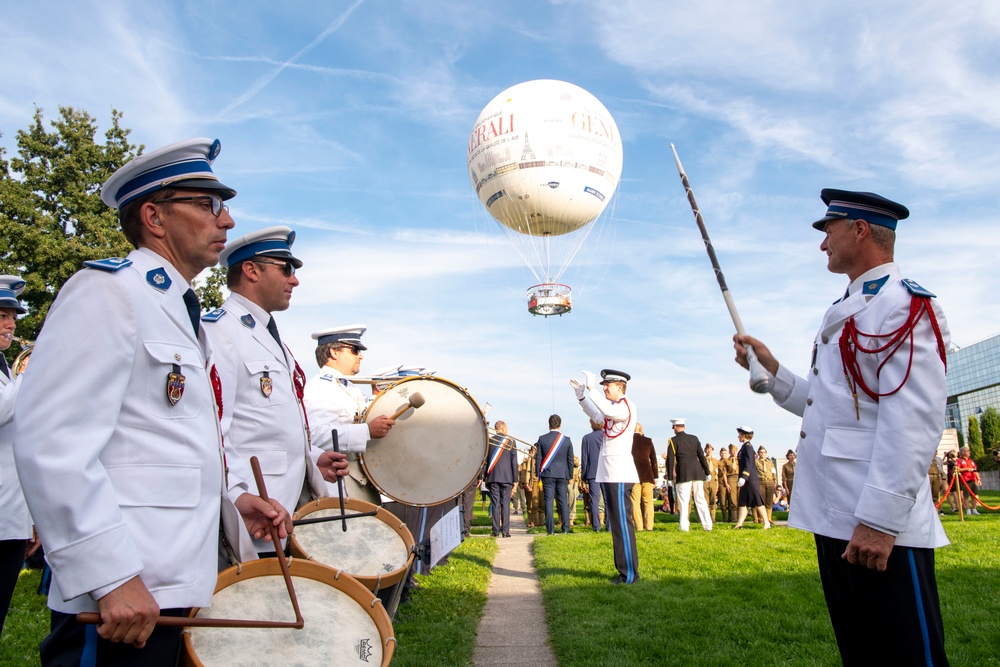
(342, 625)
(434, 452)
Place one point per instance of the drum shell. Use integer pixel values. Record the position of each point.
(432, 453)
(299, 546)
(299, 569)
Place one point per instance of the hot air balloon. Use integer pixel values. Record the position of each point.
(544, 159)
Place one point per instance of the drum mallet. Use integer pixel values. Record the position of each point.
(340, 484)
(415, 402)
(760, 381)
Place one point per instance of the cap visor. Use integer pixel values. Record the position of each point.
(224, 191)
(821, 223)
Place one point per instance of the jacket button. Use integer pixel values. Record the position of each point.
(815, 371)
(809, 401)
(802, 434)
(825, 340)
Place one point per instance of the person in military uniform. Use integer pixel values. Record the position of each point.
(120, 453)
(15, 522)
(501, 475)
(688, 468)
(712, 486)
(262, 384)
(644, 456)
(788, 474)
(333, 402)
(729, 474)
(554, 462)
(935, 474)
(615, 468)
(573, 489)
(765, 471)
(533, 490)
(748, 481)
(872, 404)
(590, 454)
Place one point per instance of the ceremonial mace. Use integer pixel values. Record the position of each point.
(760, 380)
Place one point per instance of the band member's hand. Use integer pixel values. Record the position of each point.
(579, 388)
(869, 548)
(259, 514)
(33, 544)
(380, 426)
(128, 614)
(332, 465)
(589, 380)
(764, 355)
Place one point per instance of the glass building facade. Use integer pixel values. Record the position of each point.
(973, 382)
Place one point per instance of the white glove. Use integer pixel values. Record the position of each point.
(741, 482)
(708, 478)
(590, 380)
(670, 484)
(579, 388)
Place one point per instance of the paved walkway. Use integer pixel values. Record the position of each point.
(513, 630)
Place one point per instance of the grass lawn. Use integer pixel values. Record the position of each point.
(745, 597)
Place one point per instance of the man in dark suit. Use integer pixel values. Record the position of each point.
(590, 454)
(554, 460)
(501, 475)
(688, 468)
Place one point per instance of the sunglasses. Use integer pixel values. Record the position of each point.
(286, 267)
(355, 350)
(217, 206)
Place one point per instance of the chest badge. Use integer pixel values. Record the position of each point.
(175, 385)
(266, 384)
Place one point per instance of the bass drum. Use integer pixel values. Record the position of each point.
(344, 623)
(434, 452)
(375, 550)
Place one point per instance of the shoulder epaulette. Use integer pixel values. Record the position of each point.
(915, 289)
(110, 264)
(213, 316)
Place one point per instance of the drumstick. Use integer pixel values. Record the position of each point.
(415, 402)
(340, 483)
(760, 381)
(278, 551)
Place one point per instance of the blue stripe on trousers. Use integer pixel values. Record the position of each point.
(623, 520)
(920, 609)
(88, 658)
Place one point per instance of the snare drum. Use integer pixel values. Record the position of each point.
(434, 452)
(344, 623)
(375, 550)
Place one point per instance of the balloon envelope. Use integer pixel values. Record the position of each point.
(545, 157)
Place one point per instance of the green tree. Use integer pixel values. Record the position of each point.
(975, 438)
(51, 215)
(210, 294)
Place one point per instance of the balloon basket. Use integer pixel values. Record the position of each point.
(550, 299)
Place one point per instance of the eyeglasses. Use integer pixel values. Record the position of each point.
(217, 206)
(286, 267)
(355, 350)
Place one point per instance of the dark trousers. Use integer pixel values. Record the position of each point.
(556, 489)
(618, 509)
(72, 644)
(595, 505)
(500, 506)
(468, 506)
(11, 560)
(888, 618)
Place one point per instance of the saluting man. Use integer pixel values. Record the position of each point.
(121, 456)
(262, 384)
(554, 462)
(334, 402)
(615, 469)
(872, 405)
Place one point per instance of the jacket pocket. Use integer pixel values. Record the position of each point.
(172, 368)
(847, 453)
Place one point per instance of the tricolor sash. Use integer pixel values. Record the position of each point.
(548, 457)
(496, 455)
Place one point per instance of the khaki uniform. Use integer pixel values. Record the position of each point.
(730, 468)
(787, 478)
(765, 469)
(935, 475)
(712, 486)
(533, 494)
(574, 490)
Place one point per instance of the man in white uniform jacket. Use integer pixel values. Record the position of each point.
(117, 434)
(262, 384)
(616, 472)
(333, 402)
(15, 522)
(872, 407)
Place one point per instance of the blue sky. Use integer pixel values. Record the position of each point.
(349, 122)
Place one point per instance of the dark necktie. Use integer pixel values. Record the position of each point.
(3, 365)
(194, 309)
(272, 329)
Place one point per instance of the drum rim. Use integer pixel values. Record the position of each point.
(325, 574)
(469, 396)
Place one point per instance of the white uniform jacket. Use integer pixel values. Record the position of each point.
(15, 522)
(869, 467)
(119, 481)
(261, 412)
(616, 463)
(332, 401)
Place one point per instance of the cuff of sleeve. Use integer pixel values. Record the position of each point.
(103, 561)
(784, 383)
(98, 593)
(884, 511)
